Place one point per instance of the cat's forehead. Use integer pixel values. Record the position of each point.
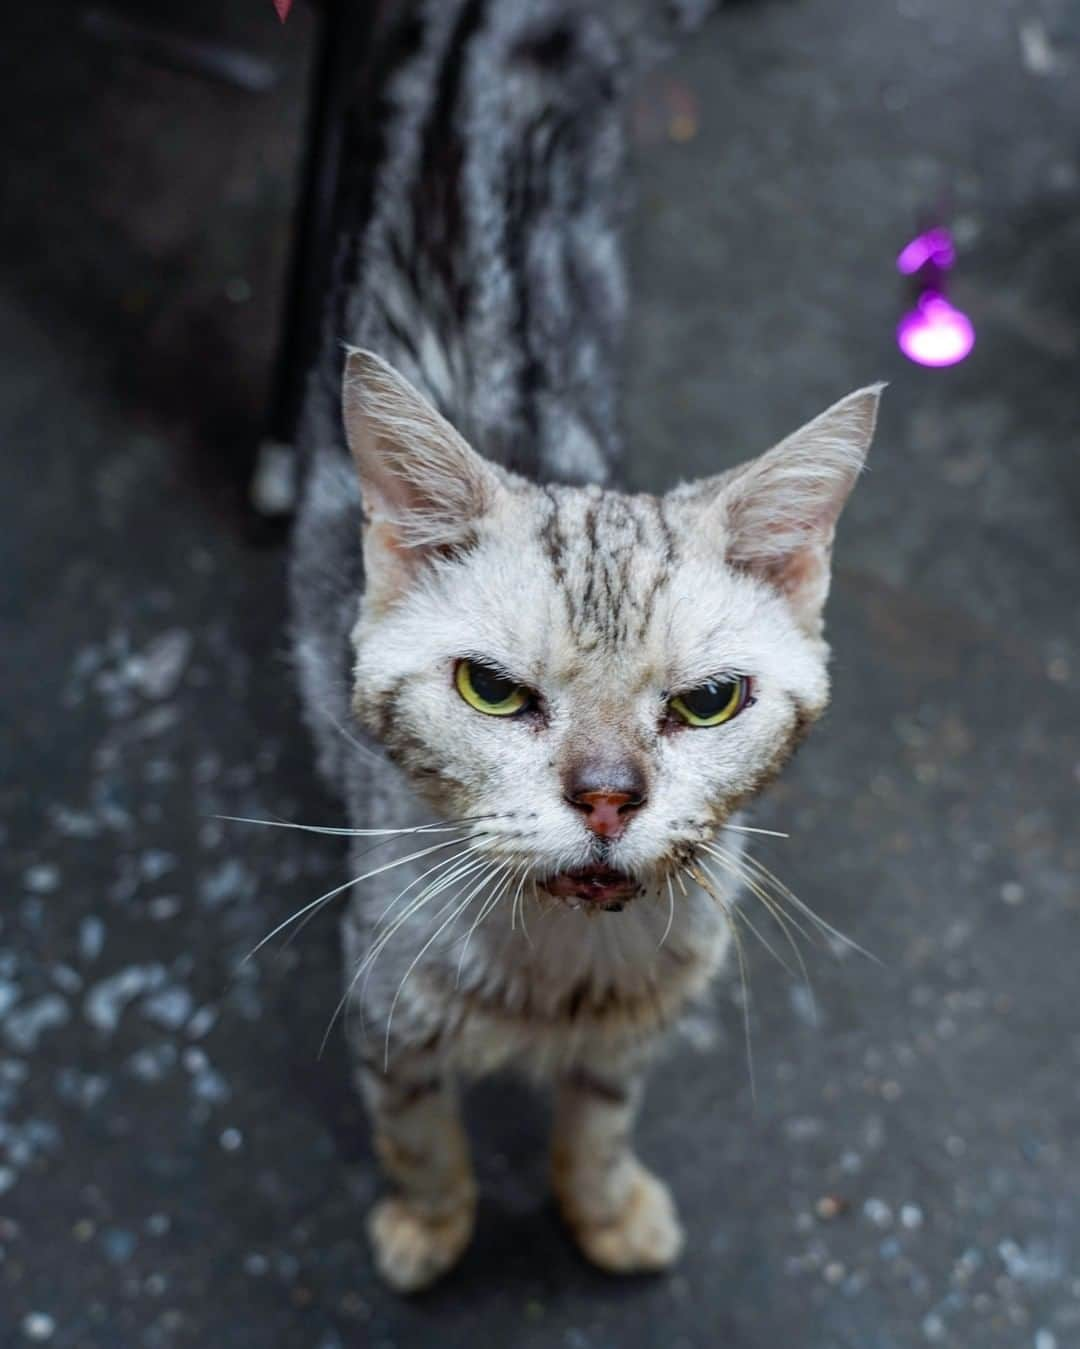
(609, 556)
(611, 593)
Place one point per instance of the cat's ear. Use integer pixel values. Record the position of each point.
(423, 487)
(780, 510)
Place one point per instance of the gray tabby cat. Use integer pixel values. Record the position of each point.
(571, 691)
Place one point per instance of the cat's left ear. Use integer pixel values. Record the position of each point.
(779, 511)
(423, 488)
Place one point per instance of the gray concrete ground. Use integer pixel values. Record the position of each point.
(178, 1166)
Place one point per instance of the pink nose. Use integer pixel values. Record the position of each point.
(607, 813)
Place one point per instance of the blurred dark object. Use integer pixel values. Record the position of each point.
(210, 59)
(346, 28)
(344, 33)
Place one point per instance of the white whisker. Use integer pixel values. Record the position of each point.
(455, 868)
(423, 951)
(783, 891)
(735, 866)
(461, 871)
(365, 966)
(519, 899)
(752, 829)
(437, 827)
(521, 911)
(729, 913)
(441, 865)
(443, 862)
(738, 866)
(331, 894)
(365, 751)
(745, 917)
(510, 872)
(671, 912)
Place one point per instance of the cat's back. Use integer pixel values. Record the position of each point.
(478, 248)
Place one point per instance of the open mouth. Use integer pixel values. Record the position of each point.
(600, 886)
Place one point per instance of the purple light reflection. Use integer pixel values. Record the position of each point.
(935, 247)
(935, 333)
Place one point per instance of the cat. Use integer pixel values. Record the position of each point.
(564, 691)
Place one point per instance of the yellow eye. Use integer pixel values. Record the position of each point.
(488, 690)
(712, 703)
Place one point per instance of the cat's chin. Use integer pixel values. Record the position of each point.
(593, 887)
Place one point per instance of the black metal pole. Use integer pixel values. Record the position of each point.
(343, 44)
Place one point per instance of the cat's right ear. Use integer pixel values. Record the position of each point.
(423, 488)
(776, 515)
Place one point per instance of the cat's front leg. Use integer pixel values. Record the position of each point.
(621, 1215)
(422, 1230)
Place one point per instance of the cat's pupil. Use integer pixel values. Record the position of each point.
(489, 685)
(709, 698)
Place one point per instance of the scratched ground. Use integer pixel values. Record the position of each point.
(178, 1165)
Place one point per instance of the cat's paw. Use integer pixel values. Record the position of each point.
(411, 1248)
(644, 1237)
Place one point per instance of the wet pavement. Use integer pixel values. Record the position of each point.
(178, 1164)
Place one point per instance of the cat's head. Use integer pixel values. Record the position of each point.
(605, 677)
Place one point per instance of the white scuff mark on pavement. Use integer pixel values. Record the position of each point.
(105, 1003)
(158, 669)
(25, 1027)
(1036, 50)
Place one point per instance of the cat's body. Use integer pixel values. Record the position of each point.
(560, 926)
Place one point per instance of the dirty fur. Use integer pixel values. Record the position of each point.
(460, 502)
